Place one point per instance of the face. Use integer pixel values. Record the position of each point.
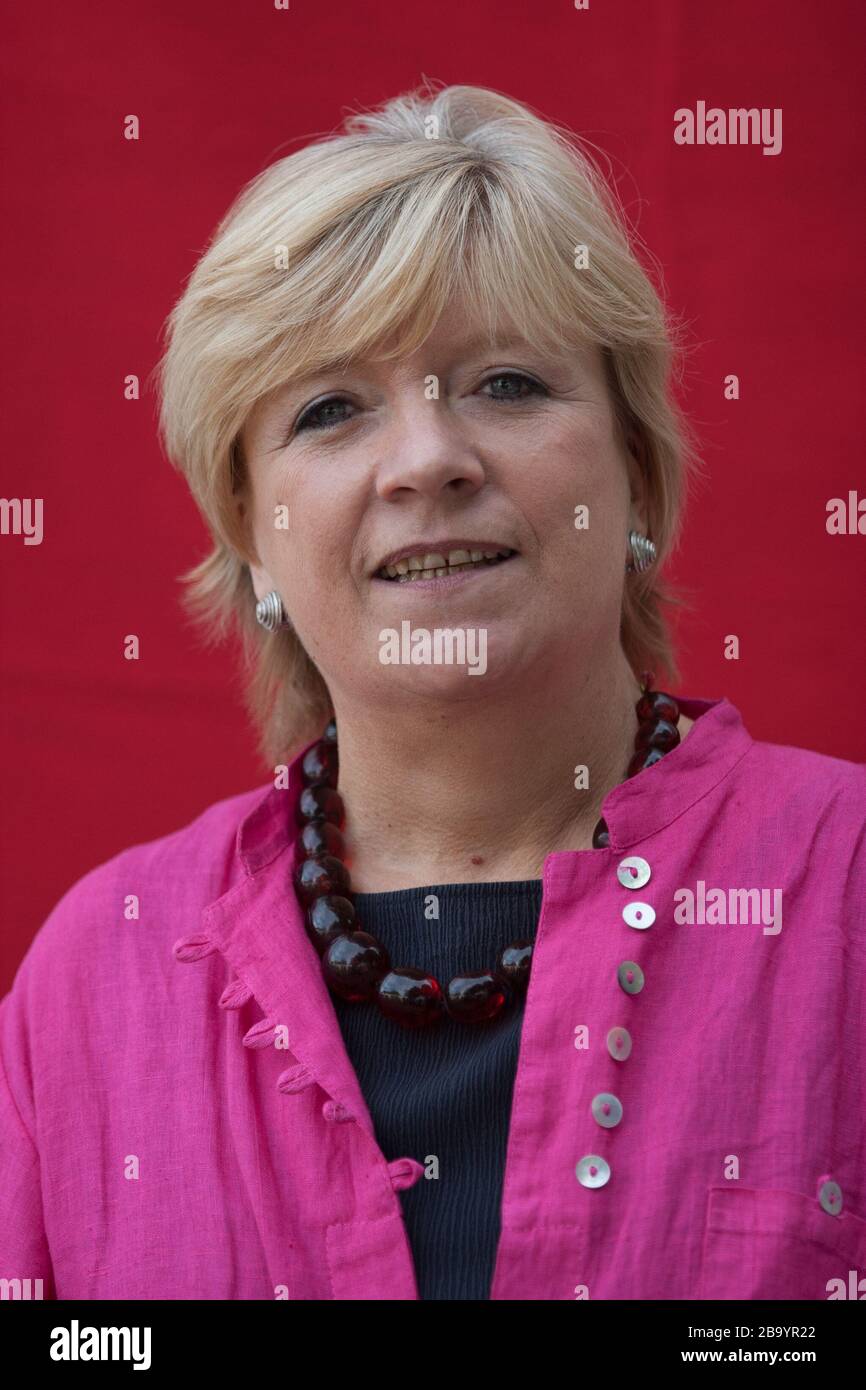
(440, 490)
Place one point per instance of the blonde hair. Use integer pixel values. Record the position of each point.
(354, 244)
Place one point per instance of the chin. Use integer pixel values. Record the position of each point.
(488, 662)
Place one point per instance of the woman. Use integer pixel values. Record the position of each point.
(549, 985)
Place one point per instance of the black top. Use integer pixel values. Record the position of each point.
(442, 1095)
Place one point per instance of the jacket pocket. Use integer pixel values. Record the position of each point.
(764, 1243)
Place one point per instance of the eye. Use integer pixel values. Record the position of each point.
(321, 415)
(515, 380)
(328, 413)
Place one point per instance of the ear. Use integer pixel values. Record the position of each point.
(637, 476)
(262, 581)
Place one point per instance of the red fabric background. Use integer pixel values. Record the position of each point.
(763, 255)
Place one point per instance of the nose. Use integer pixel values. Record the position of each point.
(428, 453)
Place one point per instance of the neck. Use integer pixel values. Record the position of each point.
(475, 792)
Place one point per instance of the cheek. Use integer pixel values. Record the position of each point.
(310, 526)
(579, 467)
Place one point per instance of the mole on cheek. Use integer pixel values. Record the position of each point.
(477, 859)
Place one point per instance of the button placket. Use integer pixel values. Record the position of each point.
(633, 872)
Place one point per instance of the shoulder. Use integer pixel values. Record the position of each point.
(141, 896)
(811, 806)
(764, 774)
(776, 799)
(806, 779)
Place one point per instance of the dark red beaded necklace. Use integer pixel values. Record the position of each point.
(355, 965)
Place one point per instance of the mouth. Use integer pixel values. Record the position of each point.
(413, 566)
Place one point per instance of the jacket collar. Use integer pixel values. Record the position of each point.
(258, 924)
(645, 804)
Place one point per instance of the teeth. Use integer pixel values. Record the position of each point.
(430, 566)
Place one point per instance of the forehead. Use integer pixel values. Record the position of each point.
(454, 336)
(462, 330)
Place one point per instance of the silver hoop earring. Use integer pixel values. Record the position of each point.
(271, 613)
(643, 553)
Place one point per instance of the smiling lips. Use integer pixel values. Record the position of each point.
(435, 564)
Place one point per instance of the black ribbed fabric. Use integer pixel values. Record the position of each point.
(445, 1091)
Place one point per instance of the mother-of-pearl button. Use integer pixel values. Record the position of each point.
(639, 915)
(633, 872)
(592, 1171)
(619, 1043)
(606, 1109)
(830, 1197)
(630, 976)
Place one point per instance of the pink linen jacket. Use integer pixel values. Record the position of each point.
(179, 1118)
